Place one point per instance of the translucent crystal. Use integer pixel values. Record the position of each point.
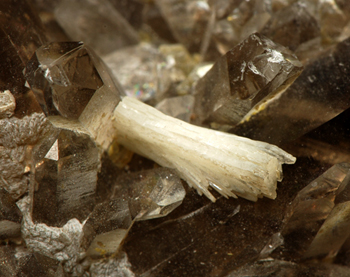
(332, 234)
(229, 164)
(312, 205)
(180, 107)
(106, 217)
(98, 24)
(247, 18)
(67, 175)
(275, 241)
(187, 19)
(188, 85)
(106, 244)
(286, 118)
(69, 79)
(314, 202)
(243, 80)
(292, 27)
(141, 70)
(151, 194)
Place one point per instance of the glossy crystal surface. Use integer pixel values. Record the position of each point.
(74, 202)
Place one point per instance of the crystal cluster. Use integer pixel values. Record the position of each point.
(98, 152)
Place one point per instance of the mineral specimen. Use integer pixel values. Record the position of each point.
(231, 165)
(76, 221)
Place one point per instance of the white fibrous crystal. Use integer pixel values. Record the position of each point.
(62, 244)
(232, 165)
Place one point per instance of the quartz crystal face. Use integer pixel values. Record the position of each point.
(180, 107)
(292, 27)
(315, 210)
(247, 76)
(323, 88)
(70, 80)
(152, 194)
(67, 175)
(67, 74)
(187, 19)
(246, 18)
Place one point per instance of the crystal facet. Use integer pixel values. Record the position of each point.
(243, 80)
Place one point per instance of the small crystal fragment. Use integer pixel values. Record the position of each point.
(188, 85)
(98, 24)
(142, 71)
(180, 107)
(7, 104)
(332, 234)
(187, 19)
(247, 18)
(229, 164)
(151, 193)
(314, 202)
(275, 241)
(107, 216)
(243, 80)
(106, 244)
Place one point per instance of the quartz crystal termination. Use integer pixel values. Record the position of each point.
(70, 80)
(230, 164)
(243, 80)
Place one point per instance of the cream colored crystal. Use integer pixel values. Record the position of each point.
(230, 164)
